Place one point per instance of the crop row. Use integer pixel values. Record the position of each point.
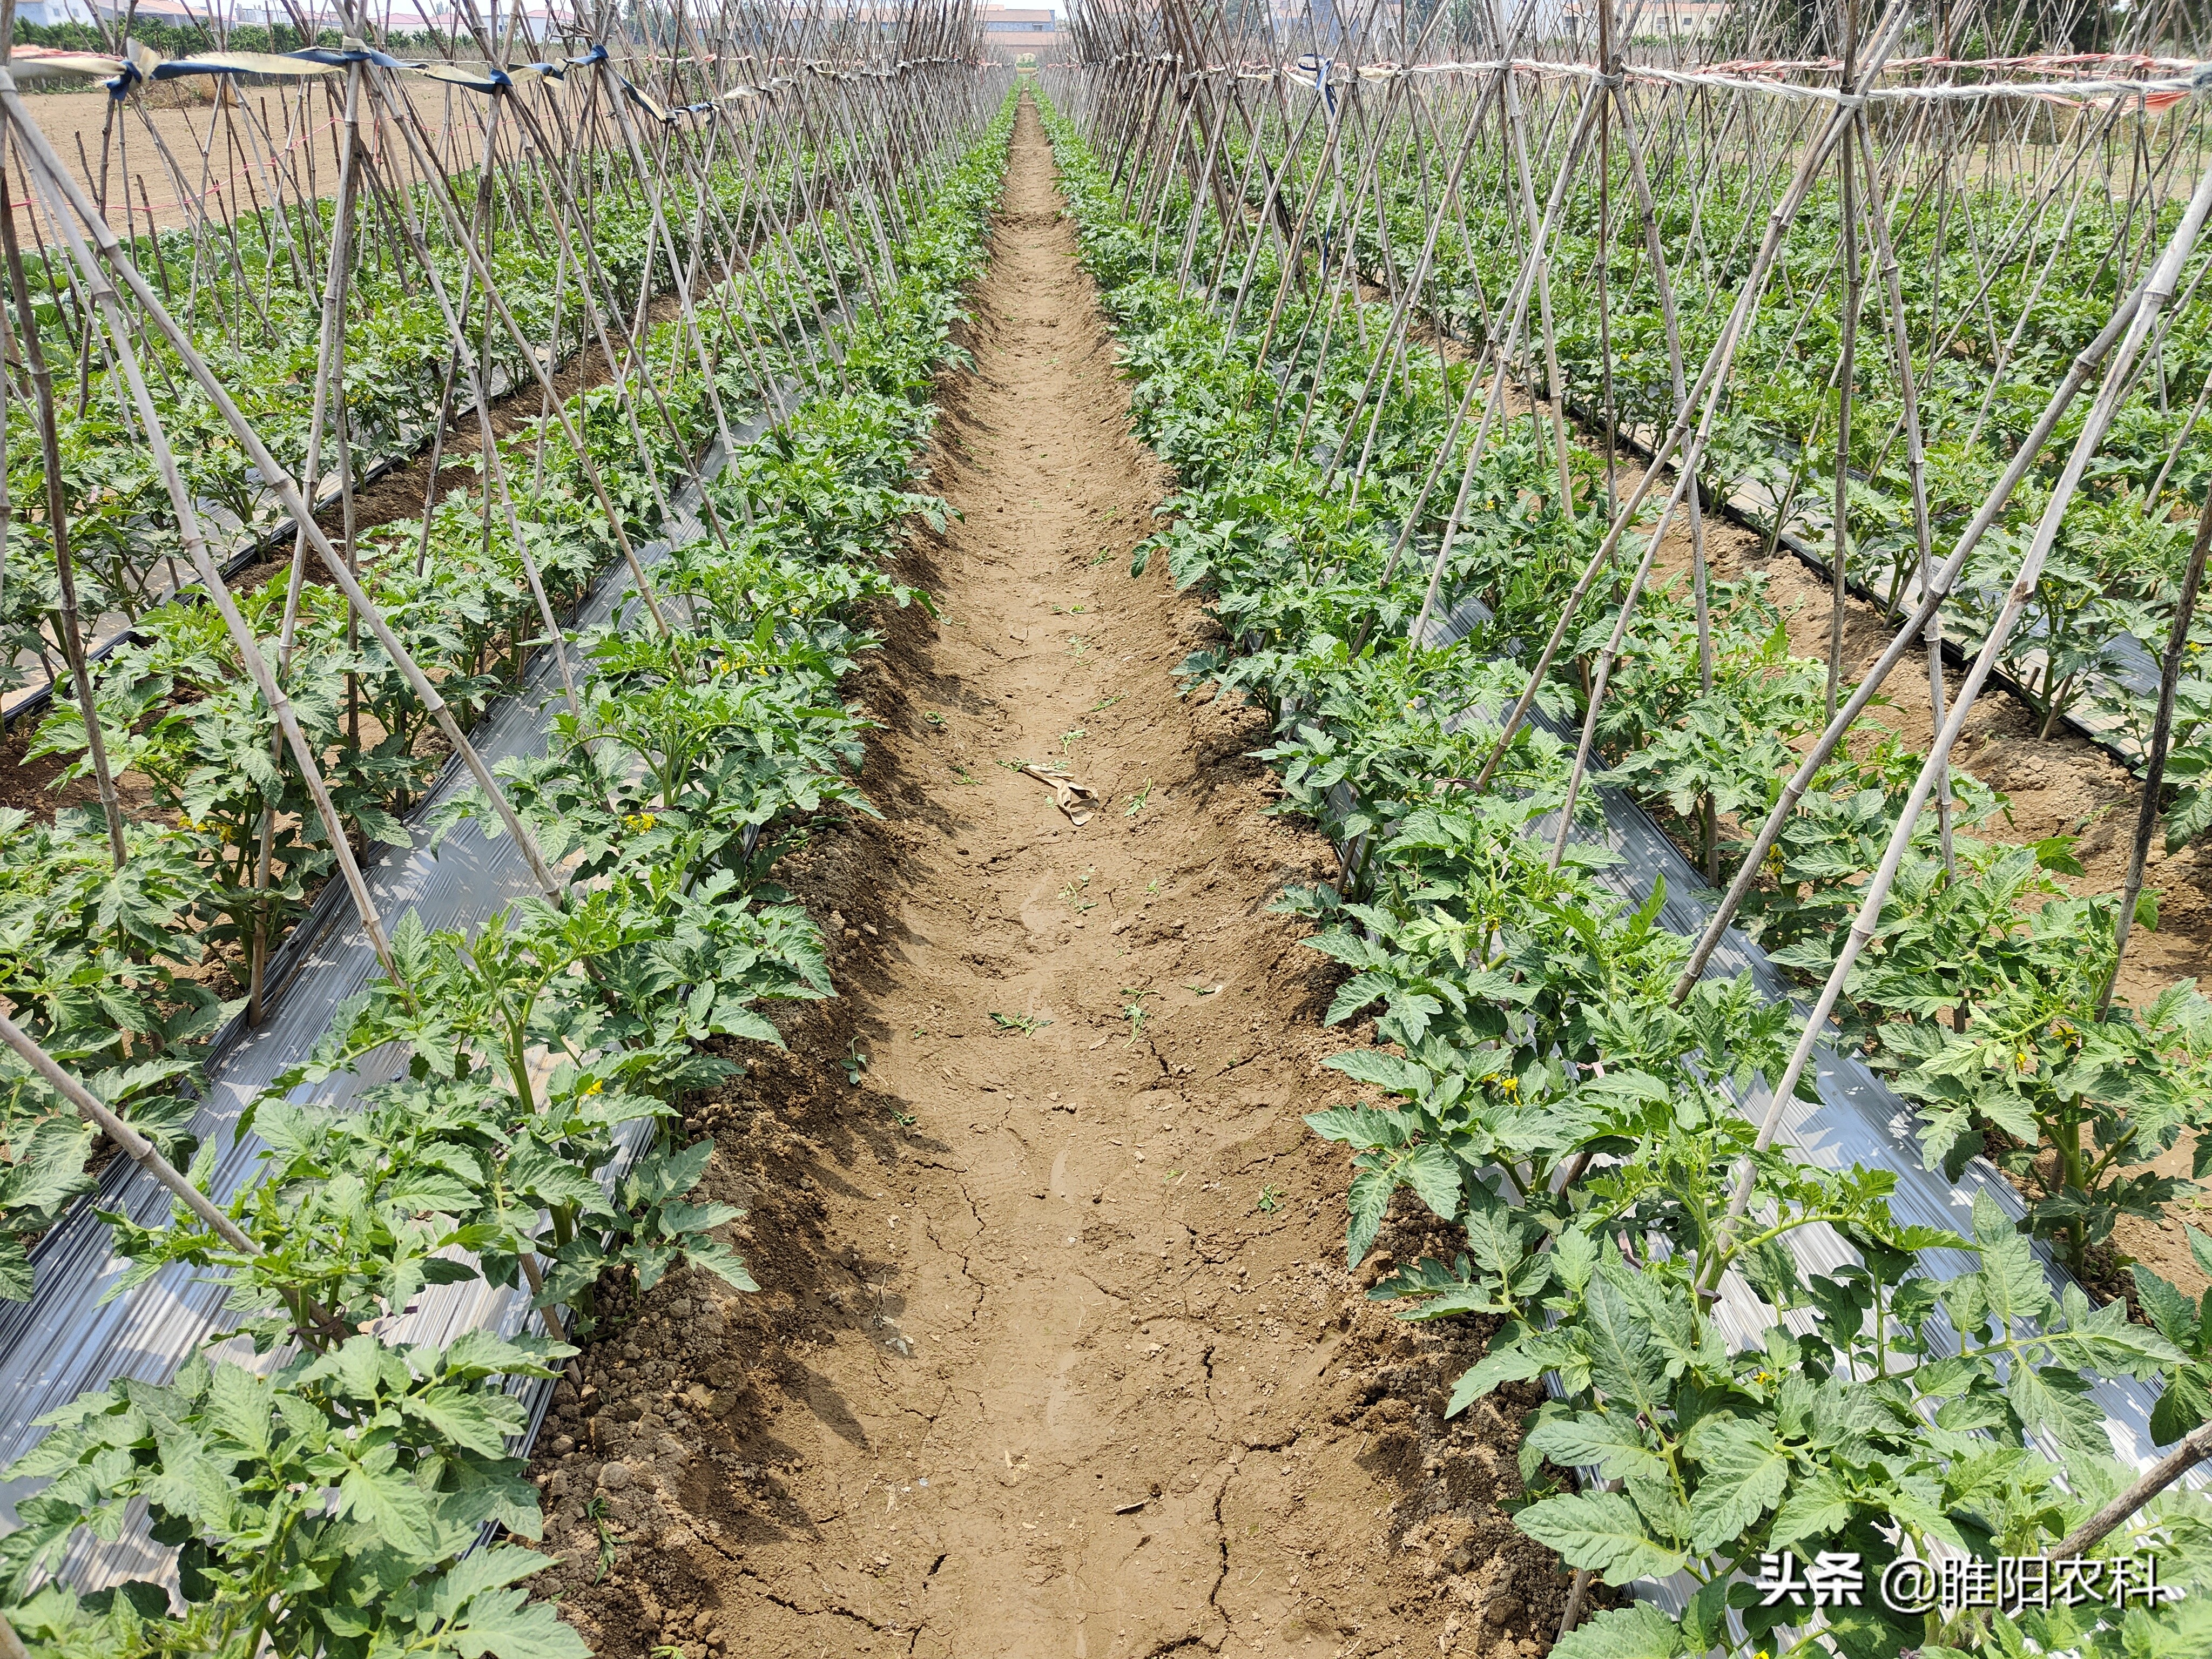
(120, 969)
(252, 296)
(2001, 287)
(1554, 1099)
(2069, 1115)
(324, 1502)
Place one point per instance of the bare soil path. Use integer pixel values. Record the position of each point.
(1056, 1353)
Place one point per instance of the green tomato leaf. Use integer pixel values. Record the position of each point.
(1638, 1630)
(1601, 1531)
(1506, 1365)
(1611, 1444)
(1368, 1200)
(1744, 1474)
(1815, 1508)
(1433, 1174)
(391, 1506)
(16, 1282)
(504, 1625)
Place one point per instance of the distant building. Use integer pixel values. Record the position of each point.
(46, 13)
(173, 13)
(1011, 31)
(1653, 20)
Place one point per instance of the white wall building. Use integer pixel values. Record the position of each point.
(47, 13)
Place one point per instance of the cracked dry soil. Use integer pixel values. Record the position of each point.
(1055, 1351)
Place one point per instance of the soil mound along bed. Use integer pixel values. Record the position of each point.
(1056, 1352)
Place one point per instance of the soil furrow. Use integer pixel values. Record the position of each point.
(1056, 1352)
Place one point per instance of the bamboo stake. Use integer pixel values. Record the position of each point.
(1656, 256)
(287, 491)
(495, 477)
(2077, 375)
(2190, 1450)
(328, 365)
(133, 1146)
(1515, 128)
(1839, 539)
(1915, 463)
(2158, 291)
(2169, 679)
(42, 384)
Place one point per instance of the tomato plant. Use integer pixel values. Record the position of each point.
(1544, 1098)
(325, 1499)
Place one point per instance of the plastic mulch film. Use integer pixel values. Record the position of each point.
(247, 550)
(1858, 1119)
(67, 1340)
